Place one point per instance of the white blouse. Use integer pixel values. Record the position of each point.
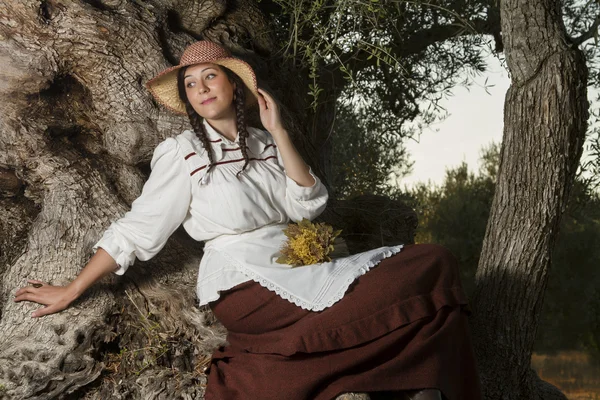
(240, 219)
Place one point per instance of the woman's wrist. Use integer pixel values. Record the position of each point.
(278, 132)
(100, 264)
(74, 290)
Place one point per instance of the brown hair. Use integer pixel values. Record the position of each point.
(239, 100)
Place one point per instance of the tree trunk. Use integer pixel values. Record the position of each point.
(544, 126)
(77, 129)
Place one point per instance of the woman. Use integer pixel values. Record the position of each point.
(310, 332)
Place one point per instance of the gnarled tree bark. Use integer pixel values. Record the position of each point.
(77, 129)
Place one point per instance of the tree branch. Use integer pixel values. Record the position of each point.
(418, 42)
(589, 34)
(426, 37)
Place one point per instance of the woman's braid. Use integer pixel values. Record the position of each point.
(240, 103)
(200, 130)
(195, 119)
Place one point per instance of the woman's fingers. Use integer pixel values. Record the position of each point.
(269, 112)
(28, 296)
(46, 294)
(261, 103)
(40, 312)
(32, 294)
(25, 289)
(35, 284)
(50, 296)
(54, 298)
(266, 98)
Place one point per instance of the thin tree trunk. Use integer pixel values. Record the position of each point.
(544, 127)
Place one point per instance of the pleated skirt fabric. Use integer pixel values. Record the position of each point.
(401, 326)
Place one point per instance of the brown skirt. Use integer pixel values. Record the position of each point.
(401, 326)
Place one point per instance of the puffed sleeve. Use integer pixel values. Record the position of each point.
(143, 231)
(304, 201)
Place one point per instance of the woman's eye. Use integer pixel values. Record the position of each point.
(190, 84)
(210, 76)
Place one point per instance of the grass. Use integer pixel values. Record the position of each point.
(150, 346)
(571, 371)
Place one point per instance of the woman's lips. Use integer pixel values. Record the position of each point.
(207, 101)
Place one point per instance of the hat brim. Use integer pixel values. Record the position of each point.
(164, 85)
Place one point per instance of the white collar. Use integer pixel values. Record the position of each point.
(256, 141)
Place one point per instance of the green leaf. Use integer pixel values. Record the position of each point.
(282, 260)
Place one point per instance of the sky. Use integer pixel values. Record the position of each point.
(475, 120)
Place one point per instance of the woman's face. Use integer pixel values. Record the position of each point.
(209, 91)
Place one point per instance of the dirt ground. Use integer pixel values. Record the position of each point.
(573, 372)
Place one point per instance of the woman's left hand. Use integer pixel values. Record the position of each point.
(269, 113)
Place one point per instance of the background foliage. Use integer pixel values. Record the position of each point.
(378, 68)
(455, 215)
(383, 66)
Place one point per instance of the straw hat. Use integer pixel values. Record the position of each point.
(164, 85)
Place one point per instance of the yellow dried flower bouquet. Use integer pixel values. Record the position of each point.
(308, 243)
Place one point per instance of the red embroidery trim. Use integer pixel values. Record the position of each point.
(198, 169)
(231, 149)
(230, 161)
(189, 155)
(263, 159)
(241, 159)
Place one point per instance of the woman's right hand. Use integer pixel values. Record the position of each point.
(54, 298)
(57, 298)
